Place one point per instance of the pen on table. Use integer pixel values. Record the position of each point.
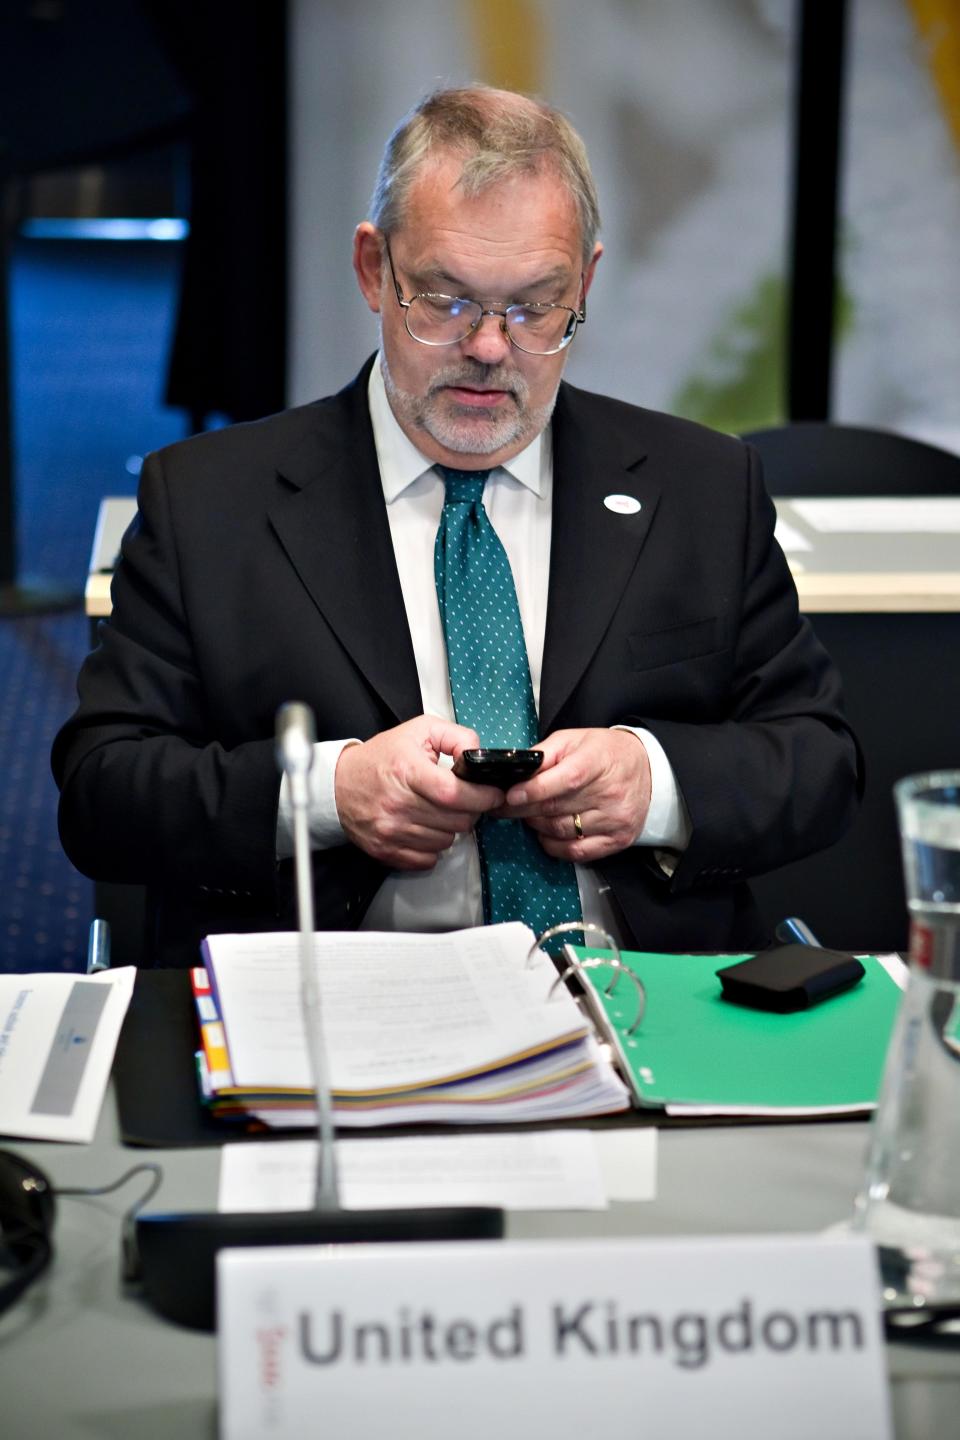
(98, 947)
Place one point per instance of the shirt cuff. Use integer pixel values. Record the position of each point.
(325, 828)
(667, 825)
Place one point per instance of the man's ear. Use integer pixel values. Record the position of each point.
(368, 263)
(590, 271)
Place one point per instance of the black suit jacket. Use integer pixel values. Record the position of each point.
(260, 569)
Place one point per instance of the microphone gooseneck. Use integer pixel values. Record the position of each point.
(296, 735)
(173, 1256)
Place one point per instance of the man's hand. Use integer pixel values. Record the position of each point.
(396, 802)
(602, 777)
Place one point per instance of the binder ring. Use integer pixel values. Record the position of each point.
(581, 927)
(575, 966)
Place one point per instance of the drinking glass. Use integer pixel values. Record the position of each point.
(910, 1202)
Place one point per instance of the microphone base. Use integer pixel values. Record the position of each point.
(173, 1257)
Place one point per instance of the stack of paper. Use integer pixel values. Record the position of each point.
(416, 1028)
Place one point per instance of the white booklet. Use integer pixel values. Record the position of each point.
(415, 1027)
(57, 1038)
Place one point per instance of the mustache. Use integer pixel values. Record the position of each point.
(472, 374)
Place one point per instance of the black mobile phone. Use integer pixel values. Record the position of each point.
(502, 768)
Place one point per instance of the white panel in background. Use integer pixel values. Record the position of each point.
(932, 515)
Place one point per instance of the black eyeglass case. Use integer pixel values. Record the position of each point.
(789, 977)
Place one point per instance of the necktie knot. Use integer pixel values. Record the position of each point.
(463, 487)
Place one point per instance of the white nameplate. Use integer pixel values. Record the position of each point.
(668, 1339)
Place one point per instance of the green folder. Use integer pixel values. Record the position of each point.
(693, 1048)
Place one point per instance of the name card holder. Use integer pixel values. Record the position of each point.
(732, 1337)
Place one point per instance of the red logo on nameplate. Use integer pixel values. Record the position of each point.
(921, 944)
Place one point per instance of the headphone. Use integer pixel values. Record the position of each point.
(26, 1225)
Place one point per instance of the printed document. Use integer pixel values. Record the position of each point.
(542, 1170)
(398, 1010)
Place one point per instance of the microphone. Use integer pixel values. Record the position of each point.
(173, 1256)
(296, 737)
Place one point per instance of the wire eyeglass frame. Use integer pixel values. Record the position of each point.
(503, 313)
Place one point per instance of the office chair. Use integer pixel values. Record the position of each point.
(901, 686)
(814, 457)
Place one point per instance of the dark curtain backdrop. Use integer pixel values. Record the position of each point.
(229, 350)
(83, 82)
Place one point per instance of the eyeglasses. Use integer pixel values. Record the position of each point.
(534, 328)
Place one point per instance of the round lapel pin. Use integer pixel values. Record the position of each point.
(622, 504)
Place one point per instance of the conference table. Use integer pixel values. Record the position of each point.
(80, 1358)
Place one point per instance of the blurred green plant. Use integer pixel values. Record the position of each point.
(742, 385)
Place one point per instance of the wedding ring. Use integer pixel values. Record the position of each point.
(578, 827)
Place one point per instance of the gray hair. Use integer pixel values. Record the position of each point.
(499, 133)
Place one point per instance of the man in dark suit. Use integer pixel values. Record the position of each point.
(690, 722)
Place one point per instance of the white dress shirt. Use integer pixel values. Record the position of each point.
(518, 500)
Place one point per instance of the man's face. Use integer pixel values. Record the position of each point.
(479, 402)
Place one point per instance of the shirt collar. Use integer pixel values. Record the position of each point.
(401, 463)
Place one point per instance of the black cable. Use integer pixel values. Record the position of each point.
(148, 1167)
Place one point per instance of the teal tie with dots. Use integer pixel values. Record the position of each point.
(492, 694)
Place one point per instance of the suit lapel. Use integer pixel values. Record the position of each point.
(332, 522)
(594, 549)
